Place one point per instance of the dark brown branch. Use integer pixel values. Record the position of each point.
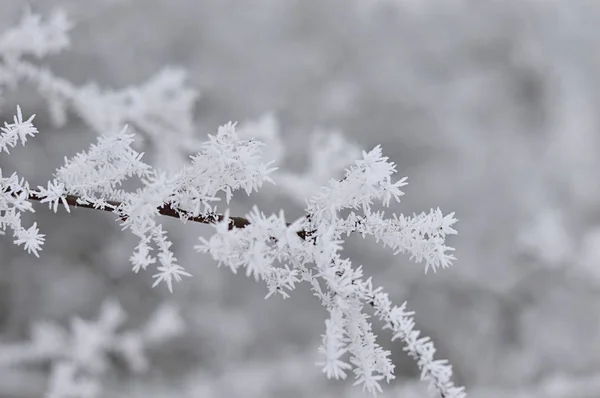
(165, 210)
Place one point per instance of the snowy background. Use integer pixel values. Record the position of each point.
(489, 107)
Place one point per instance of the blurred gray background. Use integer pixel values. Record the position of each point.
(489, 107)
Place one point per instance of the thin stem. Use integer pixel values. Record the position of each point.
(165, 210)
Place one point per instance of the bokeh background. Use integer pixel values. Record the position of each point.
(489, 107)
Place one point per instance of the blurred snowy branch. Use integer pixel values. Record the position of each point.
(80, 357)
(161, 104)
(329, 154)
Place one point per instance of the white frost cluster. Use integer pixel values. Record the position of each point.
(266, 248)
(14, 191)
(223, 165)
(271, 251)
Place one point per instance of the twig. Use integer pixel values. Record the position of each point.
(167, 210)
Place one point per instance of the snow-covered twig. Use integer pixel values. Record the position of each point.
(267, 248)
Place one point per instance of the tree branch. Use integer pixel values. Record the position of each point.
(166, 210)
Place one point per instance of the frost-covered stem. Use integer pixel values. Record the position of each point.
(165, 210)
